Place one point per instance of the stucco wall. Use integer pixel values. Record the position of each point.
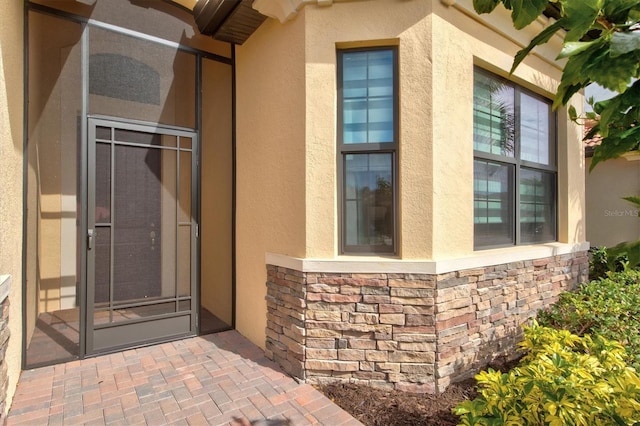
(11, 119)
(610, 219)
(438, 47)
(376, 23)
(216, 190)
(295, 65)
(270, 162)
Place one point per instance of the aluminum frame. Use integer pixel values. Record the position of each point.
(159, 327)
(83, 168)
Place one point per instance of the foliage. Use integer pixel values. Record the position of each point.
(629, 250)
(602, 263)
(601, 45)
(609, 307)
(628, 253)
(563, 380)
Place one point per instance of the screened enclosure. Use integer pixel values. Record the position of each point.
(125, 105)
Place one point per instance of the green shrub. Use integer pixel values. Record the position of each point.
(609, 307)
(601, 262)
(563, 380)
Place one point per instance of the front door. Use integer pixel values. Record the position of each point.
(141, 235)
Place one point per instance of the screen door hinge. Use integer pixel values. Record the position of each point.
(197, 231)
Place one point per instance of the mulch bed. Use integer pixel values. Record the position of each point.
(376, 407)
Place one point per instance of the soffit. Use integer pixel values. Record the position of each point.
(232, 21)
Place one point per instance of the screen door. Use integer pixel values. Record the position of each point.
(141, 236)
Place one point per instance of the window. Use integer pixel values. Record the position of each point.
(515, 173)
(367, 148)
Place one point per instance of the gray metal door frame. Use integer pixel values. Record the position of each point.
(112, 336)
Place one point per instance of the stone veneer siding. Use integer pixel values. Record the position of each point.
(4, 343)
(412, 332)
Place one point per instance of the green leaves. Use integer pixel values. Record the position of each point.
(619, 125)
(619, 11)
(572, 48)
(614, 75)
(634, 200)
(524, 12)
(541, 38)
(602, 46)
(564, 380)
(485, 6)
(607, 307)
(616, 145)
(579, 16)
(622, 43)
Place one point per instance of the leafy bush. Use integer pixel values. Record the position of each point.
(601, 263)
(563, 380)
(609, 307)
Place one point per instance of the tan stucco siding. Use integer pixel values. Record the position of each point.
(270, 162)
(462, 40)
(610, 219)
(376, 23)
(438, 47)
(216, 199)
(571, 179)
(11, 143)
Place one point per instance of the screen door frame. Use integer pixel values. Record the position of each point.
(114, 336)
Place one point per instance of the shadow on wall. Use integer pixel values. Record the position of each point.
(496, 352)
(11, 78)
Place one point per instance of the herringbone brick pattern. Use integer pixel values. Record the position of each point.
(210, 380)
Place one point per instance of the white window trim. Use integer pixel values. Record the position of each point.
(380, 265)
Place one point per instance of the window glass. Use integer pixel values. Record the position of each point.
(368, 199)
(493, 116)
(537, 206)
(367, 93)
(367, 96)
(534, 130)
(514, 165)
(493, 203)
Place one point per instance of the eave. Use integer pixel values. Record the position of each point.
(232, 21)
(235, 20)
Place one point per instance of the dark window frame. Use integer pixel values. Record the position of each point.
(344, 149)
(518, 164)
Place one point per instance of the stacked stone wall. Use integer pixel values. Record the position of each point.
(409, 332)
(286, 304)
(4, 343)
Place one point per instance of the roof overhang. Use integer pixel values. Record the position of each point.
(232, 21)
(235, 20)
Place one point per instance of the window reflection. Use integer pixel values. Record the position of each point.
(367, 90)
(493, 116)
(369, 199)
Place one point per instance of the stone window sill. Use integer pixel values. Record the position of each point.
(374, 264)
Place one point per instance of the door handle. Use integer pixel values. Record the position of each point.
(90, 236)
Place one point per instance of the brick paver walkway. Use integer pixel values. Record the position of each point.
(209, 380)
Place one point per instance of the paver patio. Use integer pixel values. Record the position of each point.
(215, 379)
